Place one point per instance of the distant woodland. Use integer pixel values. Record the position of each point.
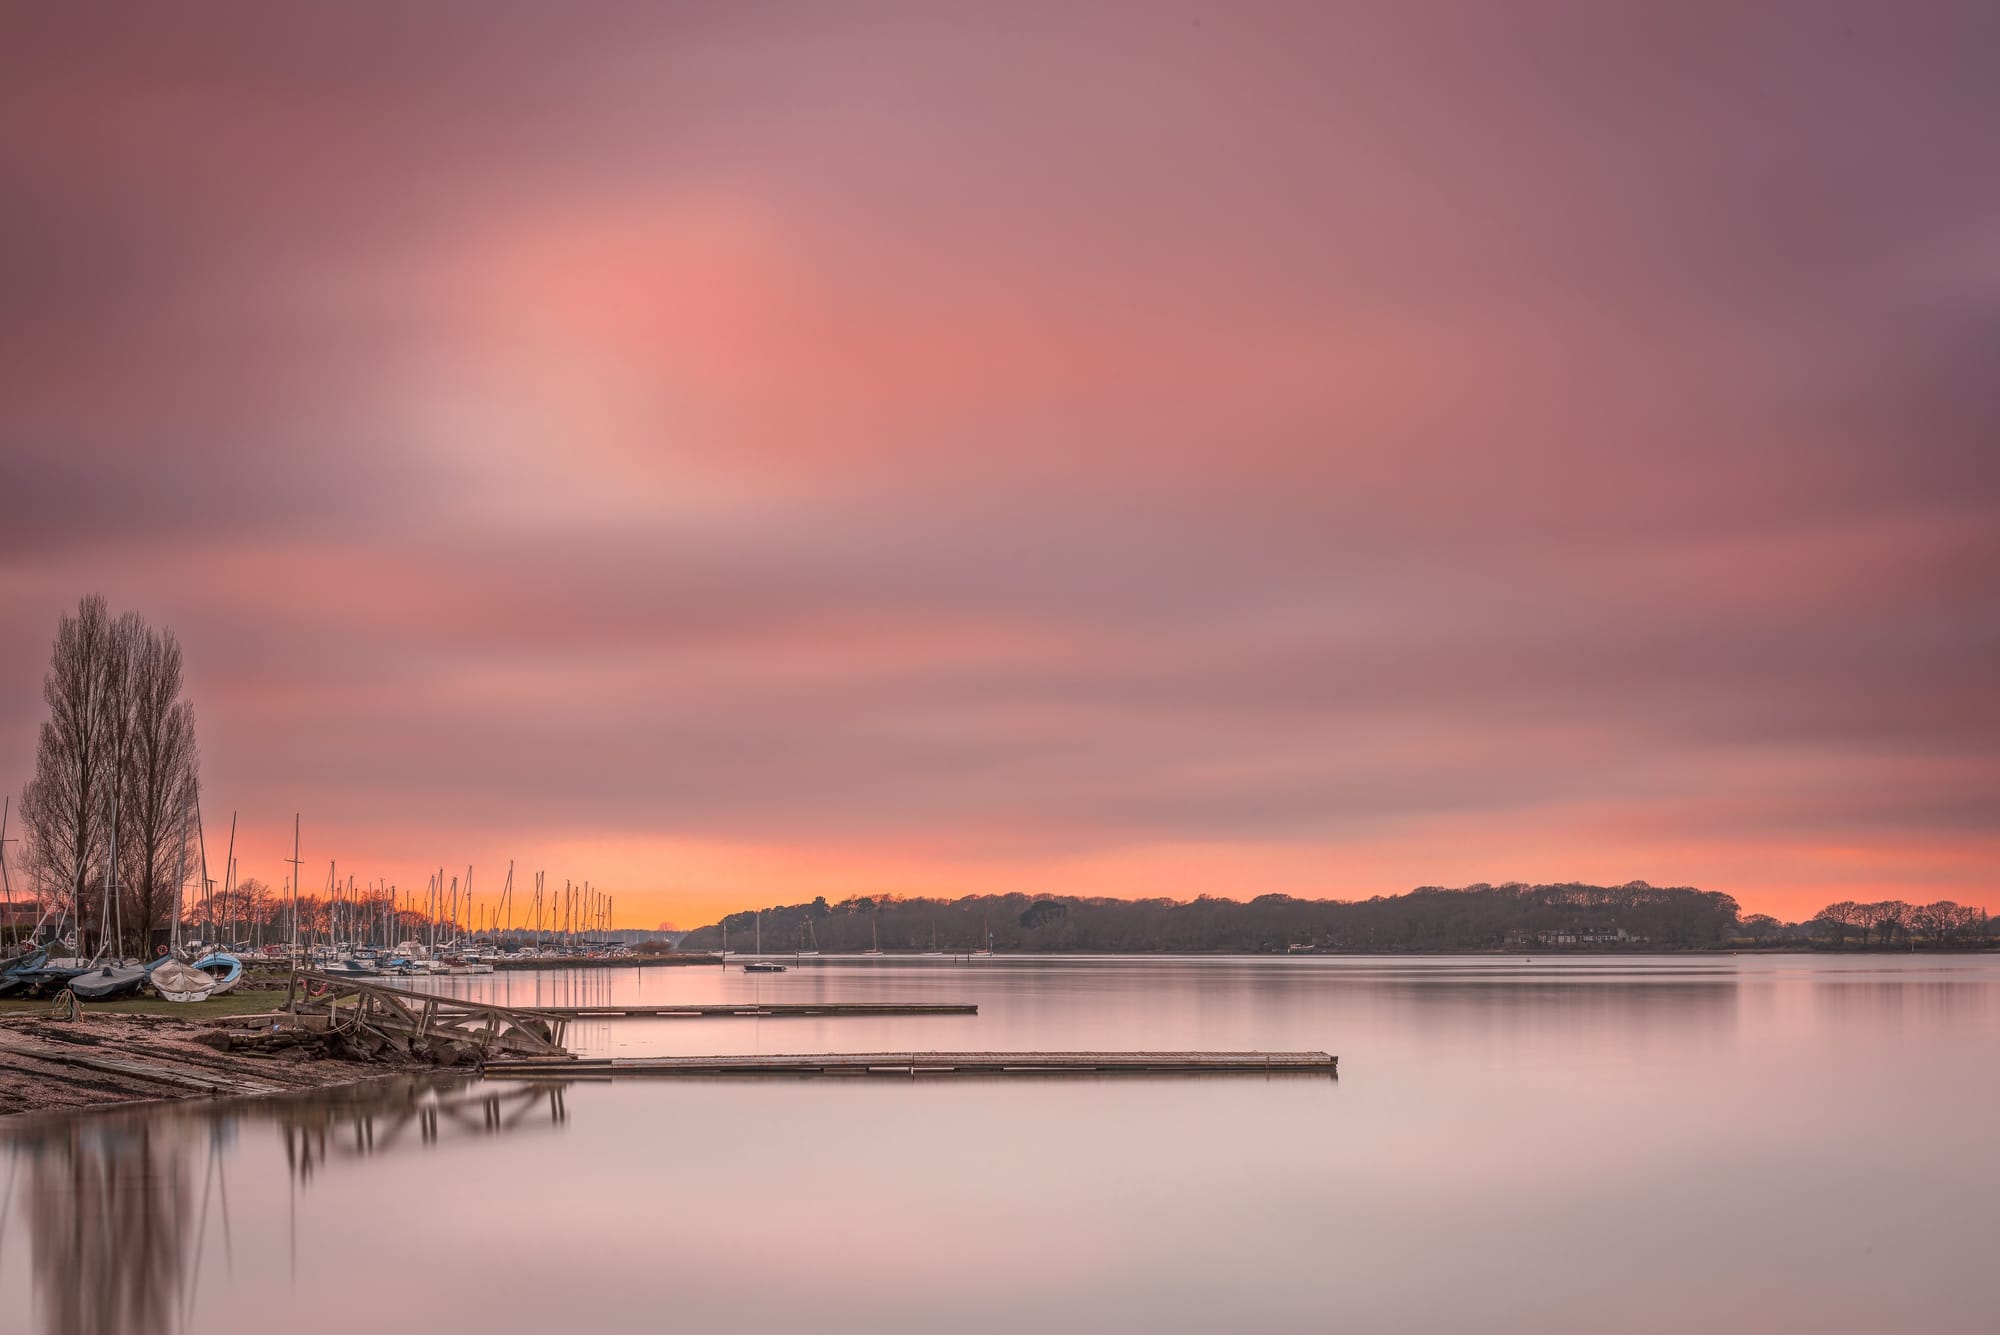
(1635, 916)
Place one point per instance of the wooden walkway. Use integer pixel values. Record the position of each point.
(933, 1063)
(759, 1010)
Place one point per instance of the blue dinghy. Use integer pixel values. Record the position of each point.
(227, 970)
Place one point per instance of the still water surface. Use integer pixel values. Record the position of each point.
(1638, 1144)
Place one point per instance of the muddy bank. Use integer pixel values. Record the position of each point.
(99, 1060)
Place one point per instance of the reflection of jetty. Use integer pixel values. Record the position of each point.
(761, 1010)
(937, 1063)
(365, 1120)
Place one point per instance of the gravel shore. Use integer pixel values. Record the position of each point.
(104, 1059)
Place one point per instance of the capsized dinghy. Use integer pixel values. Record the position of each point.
(177, 981)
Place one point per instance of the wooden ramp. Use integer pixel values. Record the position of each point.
(757, 1010)
(179, 1072)
(934, 1063)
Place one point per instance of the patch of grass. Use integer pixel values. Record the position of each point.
(229, 1003)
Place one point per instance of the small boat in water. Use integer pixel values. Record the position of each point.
(763, 966)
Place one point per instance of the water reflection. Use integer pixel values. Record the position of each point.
(1938, 1009)
(1646, 1145)
(110, 1213)
(123, 1210)
(367, 1120)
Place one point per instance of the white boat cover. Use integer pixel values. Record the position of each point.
(182, 982)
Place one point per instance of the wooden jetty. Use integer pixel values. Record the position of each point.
(759, 1010)
(932, 1063)
(370, 1018)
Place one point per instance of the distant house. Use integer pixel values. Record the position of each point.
(1588, 936)
(21, 916)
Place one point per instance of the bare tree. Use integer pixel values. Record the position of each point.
(128, 633)
(1837, 920)
(67, 804)
(111, 800)
(156, 793)
(1888, 919)
(1946, 922)
(247, 904)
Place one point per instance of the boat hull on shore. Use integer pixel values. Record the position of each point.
(225, 969)
(109, 982)
(174, 980)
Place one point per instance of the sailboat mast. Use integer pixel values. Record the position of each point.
(297, 867)
(180, 889)
(6, 810)
(229, 869)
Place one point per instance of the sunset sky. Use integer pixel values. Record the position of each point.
(735, 453)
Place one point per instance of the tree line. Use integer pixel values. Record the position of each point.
(1634, 916)
(1476, 917)
(1889, 924)
(109, 817)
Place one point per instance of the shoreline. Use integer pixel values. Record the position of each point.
(115, 1060)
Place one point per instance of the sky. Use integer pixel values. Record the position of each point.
(737, 453)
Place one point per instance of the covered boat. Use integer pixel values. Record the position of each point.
(17, 973)
(53, 973)
(110, 981)
(176, 980)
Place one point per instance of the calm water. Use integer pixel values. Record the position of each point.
(1665, 1144)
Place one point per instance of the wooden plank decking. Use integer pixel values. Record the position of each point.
(935, 1063)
